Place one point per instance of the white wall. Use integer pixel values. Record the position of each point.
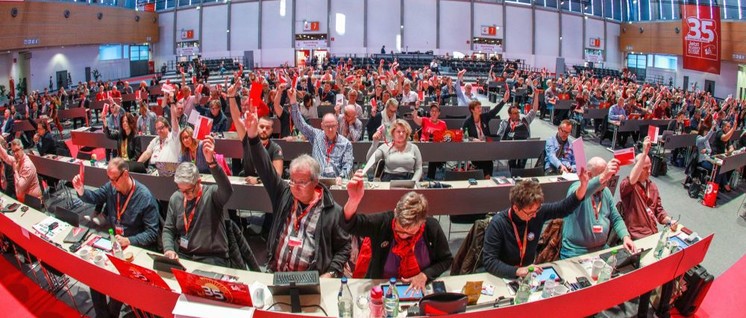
(518, 43)
(6, 65)
(613, 56)
(572, 39)
(46, 62)
(454, 27)
(187, 19)
(310, 10)
(349, 37)
(163, 51)
(244, 24)
(547, 39)
(277, 41)
(383, 25)
(725, 82)
(487, 14)
(214, 25)
(420, 26)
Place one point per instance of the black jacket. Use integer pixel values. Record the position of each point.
(46, 145)
(134, 147)
(378, 228)
(484, 120)
(332, 244)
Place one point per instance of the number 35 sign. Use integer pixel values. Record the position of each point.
(701, 25)
(214, 289)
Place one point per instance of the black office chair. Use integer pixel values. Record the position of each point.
(451, 175)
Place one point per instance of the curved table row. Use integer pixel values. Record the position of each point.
(430, 151)
(18, 227)
(462, 198)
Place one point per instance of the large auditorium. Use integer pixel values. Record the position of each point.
(372, 158)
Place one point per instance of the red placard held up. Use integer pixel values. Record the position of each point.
(625, 156)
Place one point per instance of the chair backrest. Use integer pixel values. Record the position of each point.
(451, 175)
(527, 173)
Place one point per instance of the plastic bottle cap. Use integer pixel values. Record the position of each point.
(530, 269)
(552, 277)
(614, 252)
(376, 292)
(344, 280)
(111, 232)
(392, 280)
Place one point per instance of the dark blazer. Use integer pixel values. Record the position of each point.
(378, 228)
(46, 145)
(484, 121)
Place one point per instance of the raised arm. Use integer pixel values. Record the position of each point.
(235, 111)
(298, 120)
(634, 175)
(277, 102)
(459, 92)
(225, 189)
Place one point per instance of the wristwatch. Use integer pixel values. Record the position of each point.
(334, 274)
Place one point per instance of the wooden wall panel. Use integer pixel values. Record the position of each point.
(661, 37)
(45, 21)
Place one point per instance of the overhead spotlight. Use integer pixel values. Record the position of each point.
(100, 16)
(677, 30)
(66, 14)
(642, 30)
(14, 12)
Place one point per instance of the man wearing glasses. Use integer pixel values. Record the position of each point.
(330, 149)
(305, 234)
(511, 238)
(194, 227)
(517, 128)
(559, 156)
(130, 209)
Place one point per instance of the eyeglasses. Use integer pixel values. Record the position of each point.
(406, 232)
(160, 127)
(188, 190)
(330, 126)
(300, 184)
(529, 213)
(115, 180)
(566, 132)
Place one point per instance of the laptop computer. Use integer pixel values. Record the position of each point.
(624, 258)
(68, 216)
(402, 184)
(328, 182)
(138, 167)
(34, 202)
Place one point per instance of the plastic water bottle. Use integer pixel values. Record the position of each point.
(344, 300)
(661, 246)
(116, 249)
(391, 300)
(524, 288)
(605, 273)
(376, 302)
(466, 135)
(549, 286)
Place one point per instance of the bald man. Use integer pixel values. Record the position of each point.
(587, 229)
(349, 125)
(641, 202)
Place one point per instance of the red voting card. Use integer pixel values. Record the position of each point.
(653, 133)
(373, 102)
(255, 93)
(214, 289)
(137, 94)
(137, 272)
(202, 127)
(81, 172)
(350, 79)
(199, 88)
(194, 79)
(421, 95)
(295, 82)
(625, 156)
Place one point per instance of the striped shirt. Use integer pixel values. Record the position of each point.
(335, 158)
(295, 259)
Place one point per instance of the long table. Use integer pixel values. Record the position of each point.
(430, 151)
(18, 228)
(462, 198)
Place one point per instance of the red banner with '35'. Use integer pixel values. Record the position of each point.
(701, 26)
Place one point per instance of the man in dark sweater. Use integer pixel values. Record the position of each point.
(305, 233)
(511, 238)
(194, 227)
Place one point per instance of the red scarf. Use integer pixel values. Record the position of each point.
(404, 248)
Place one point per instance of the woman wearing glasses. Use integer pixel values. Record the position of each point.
(405, 243)
(402, 159)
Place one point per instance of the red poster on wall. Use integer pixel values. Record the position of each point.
(701, 26)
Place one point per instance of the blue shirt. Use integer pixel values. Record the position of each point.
(551, 149)
(140, 218)
(338, 162)
(616, 112)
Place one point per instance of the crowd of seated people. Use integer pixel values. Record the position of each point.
(247, 102)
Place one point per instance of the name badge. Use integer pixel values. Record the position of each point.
(294, 241)
(329, 170)
(511, 134)
(119, 229)
(650, 212)
(183, 242)
(598, 229)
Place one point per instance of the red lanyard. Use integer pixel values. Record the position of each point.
(596, 209)
(194, 210)
(298, 218)
(521, 243)
(480, 133)
(329, 149)
(121, 209)
(513, 125)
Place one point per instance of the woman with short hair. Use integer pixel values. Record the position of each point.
(402, 158)
(405, 242)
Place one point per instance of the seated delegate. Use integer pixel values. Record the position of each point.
(402, 158)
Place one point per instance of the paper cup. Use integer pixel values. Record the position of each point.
(560, 290)
(85, 254)
(99, 259)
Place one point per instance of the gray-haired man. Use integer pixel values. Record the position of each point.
(194, 227)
